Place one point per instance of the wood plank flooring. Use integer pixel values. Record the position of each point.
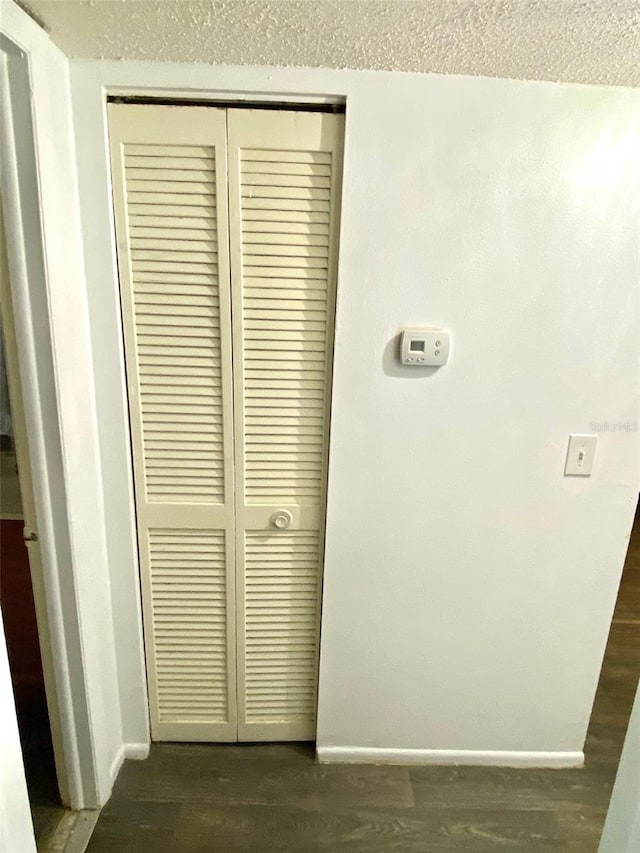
(275, 799)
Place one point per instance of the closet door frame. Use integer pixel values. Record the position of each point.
(225, 100)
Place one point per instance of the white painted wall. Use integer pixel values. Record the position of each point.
(16, 828)
(468, 586)
(621, 832)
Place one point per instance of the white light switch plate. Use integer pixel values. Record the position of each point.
(580, 454)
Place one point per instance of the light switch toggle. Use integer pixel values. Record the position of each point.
(580, 455)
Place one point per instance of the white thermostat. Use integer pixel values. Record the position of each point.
(424, 347)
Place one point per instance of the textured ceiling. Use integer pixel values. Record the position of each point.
(585, 41)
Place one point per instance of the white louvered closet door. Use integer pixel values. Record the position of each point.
(284, 190)
(170, 196)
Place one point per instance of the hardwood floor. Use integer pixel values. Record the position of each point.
(259, 799)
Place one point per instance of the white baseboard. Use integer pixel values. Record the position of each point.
(136, 751)
(116, 764)
(488, 758)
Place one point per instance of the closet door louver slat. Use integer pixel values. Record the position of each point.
(169, 182)
(188, 586)
(284, 188)
(282, 587)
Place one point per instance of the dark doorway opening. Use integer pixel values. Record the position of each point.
(23, 645)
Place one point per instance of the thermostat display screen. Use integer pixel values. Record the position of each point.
(416, 346)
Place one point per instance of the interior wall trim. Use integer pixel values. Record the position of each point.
(466, 757)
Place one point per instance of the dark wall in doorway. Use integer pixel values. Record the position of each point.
(19, 616)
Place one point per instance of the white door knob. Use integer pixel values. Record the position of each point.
(281, 519)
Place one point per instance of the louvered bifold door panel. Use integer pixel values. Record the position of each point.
(284, 192)
(170, 199)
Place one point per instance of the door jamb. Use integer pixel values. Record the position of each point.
(54, 589)
(241, 100)
(30, 514)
